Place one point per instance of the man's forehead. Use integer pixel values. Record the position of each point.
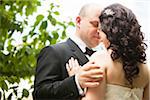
(93, 16)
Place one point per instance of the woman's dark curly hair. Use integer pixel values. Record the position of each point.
(126, 39)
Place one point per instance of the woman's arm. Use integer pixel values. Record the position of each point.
(147, 88)
(98, 93)
(146, 92)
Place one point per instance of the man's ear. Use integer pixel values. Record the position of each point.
(78, 20)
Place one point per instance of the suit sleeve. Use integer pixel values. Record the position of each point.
(48, 78)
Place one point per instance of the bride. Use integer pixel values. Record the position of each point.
(126, 74)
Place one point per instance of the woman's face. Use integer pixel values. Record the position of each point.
(103, 38)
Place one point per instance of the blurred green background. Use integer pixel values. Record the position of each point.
(18, 59)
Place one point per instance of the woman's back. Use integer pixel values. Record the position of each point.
(117, 87)
(115, 75)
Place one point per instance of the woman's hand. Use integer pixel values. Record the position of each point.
(72, 66)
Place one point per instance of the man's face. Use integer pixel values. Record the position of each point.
(89, 31)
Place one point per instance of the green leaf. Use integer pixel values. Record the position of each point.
(53, 41)
(55, 34)
(26, 22)
(56, 13)
(12, 79)
(3, 85)
(53, 21)
(30, 8)
(38, 3)
(1, 45)
(49, 17)
(63, 35)
(38, 19)
(61, 24)
(24, 38)
(25, 93)
(9, 48)
(71, 23)
(52, 6)
(43, 25)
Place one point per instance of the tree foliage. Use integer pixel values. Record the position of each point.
(18, 61)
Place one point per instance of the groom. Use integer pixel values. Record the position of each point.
(51, 79)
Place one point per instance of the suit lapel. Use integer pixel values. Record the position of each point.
(77, 51)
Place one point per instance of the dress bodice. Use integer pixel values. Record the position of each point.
(117, 92)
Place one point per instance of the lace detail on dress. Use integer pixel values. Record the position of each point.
(116, 92)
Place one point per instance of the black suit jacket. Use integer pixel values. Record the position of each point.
(51, 80)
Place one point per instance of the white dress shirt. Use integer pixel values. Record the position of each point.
(82, 46)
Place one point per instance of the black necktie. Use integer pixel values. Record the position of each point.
(88, 51)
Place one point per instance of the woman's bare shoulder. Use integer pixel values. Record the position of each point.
(145, 69)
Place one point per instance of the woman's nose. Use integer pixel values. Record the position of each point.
(98, 30)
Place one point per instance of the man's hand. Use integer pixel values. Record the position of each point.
(90, 75)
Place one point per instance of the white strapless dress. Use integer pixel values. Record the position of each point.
(116, 92)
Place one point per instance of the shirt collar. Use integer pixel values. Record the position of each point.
(79, 42)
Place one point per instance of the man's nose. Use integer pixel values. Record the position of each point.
(98, 30)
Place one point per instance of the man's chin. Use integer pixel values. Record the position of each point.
(95, 45)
